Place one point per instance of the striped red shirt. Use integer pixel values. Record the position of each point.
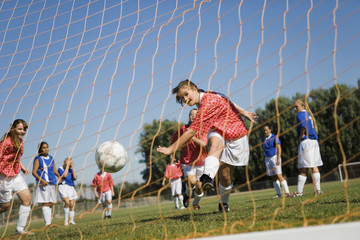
(102, 184)
(173, 171)
(218, 113)
(10, 158)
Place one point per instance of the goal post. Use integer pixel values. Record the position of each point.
(353, 170)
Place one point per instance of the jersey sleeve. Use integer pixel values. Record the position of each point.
(94, 182)
(111, 182)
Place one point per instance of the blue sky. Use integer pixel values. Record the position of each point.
(84, 72)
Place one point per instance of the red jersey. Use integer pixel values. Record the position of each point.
(102, 184)
(191, 151)
(10, 158)
(173, 171)
(218, 113)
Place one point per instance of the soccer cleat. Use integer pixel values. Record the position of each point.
(207, 183)
(277, 196)
(182, 208)
(186, 201)
(106, 217)
(196, 207)
(66, 223)
(224, 207)
(318, 192)
(296, 194)
(287, 195)
(23, 232)
(72, 223)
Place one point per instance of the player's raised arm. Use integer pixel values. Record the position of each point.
(249, 115)
(178, 144)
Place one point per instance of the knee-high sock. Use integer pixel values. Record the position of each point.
(300, 183)
(24, 212)
(276, 185)
(66, 215)
(211, 166)
(108, 209)
(176, 202)
(47, 215)
(225, 193)
(285, 186)
(181, 199)
(71, 215)
(197, 198)
(316, 177)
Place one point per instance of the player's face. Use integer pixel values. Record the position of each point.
(44, 150)
(189, 96)
(192, 115)
(298, 106)
(19, 130)
(267, 131)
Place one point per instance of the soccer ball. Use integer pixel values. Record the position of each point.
(111, 156)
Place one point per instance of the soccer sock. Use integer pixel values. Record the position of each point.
(300, 183)
(176, 202)
(24, 212)
(316, 177)
(225, 193)
(72, 215)
(47, 215)
(181, 199)
(276, 185)
(66, 215)
(108, 210)
(197, 198)
(211, 166)
(285, 186)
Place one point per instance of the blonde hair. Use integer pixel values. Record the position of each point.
(307, 109)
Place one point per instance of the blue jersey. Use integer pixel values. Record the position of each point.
(46, 169)
(304, 120)
(69, 180)
(269, 145)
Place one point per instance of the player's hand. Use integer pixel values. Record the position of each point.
(25, 170)
(251, 116)
(44, 183)
(164, 150)
(277, 162)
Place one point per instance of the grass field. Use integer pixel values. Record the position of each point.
(255, 211)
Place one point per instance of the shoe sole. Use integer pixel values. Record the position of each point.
(208, 187)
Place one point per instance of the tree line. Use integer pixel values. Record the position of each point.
(336, 110)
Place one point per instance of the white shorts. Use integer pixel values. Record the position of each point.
(271, 167)
(309, 154)
(196, 171)
(67, 191)
(45, 194)
(176, 186)
(105, 197)
(236, 152)
(11, 185)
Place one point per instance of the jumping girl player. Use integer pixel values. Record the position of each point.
(192, 157)
(173, 173)
(220, 119)
(104, 190)
(46, 174)
(272, 153)
(11, 149)
(308, 150)
(67, 190)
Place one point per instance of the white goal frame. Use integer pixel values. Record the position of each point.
(347, 164)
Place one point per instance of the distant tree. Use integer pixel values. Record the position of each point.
(152, 137)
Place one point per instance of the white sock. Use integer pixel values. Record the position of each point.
(276, 185)
(181, 199)
(176, 202)
(316, 177)
(285, 186)
(300, 183)
(66, 215)
(211, 166)
(47, 215)
(197, 198)
(108, 211)
(24, 212)
(72, 215)
(225, 193)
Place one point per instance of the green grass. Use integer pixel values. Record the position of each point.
(255, 211)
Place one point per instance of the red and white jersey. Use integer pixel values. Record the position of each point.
(191, 151)
(10, 158)
(102, 183)
(218, 113)
(173, 171)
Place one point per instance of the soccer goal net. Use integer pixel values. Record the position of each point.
(84, 72)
